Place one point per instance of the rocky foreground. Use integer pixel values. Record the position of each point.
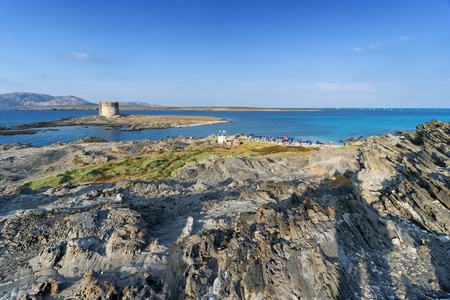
(338, 223)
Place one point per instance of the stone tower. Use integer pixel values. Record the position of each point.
(108, 109)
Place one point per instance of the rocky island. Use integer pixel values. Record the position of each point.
(109, 116)
(179, 219)
(128, 122)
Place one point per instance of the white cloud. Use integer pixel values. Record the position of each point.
(376, 46)
(370, 47)
(349, 87)
(405, 38)
(77, 56)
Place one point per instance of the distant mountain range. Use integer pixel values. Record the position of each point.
(42, 100)
(31, 99)
(138, 104)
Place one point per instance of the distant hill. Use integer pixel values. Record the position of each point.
(40, 100)
(138, 104)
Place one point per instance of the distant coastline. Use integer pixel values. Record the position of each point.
(127, 108)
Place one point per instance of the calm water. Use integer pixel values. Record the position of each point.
(333, 125)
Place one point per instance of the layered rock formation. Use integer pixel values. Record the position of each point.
(339, 223)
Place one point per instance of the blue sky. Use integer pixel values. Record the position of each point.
(284, 53)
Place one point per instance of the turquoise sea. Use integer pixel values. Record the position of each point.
(328, 125)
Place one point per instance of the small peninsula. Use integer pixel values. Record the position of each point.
(129, 122)
(115, 119)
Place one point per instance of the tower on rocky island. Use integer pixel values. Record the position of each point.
(108, 109)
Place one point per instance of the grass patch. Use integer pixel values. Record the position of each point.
(354, 147)
(160, 165)
(274, 150)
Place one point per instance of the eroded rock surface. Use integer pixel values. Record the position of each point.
(338, 224)
(22, 162)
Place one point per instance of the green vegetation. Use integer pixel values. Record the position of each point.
(160, 165)
(354, 147)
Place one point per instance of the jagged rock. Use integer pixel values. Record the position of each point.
(15, 146)
(269, 255)
(91, 288)
(413, 178)
(93, 157)
(14, 190)
(353, 139)
(90, 139)
(45, 288)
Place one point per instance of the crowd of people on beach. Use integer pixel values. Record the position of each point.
(286, 141)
